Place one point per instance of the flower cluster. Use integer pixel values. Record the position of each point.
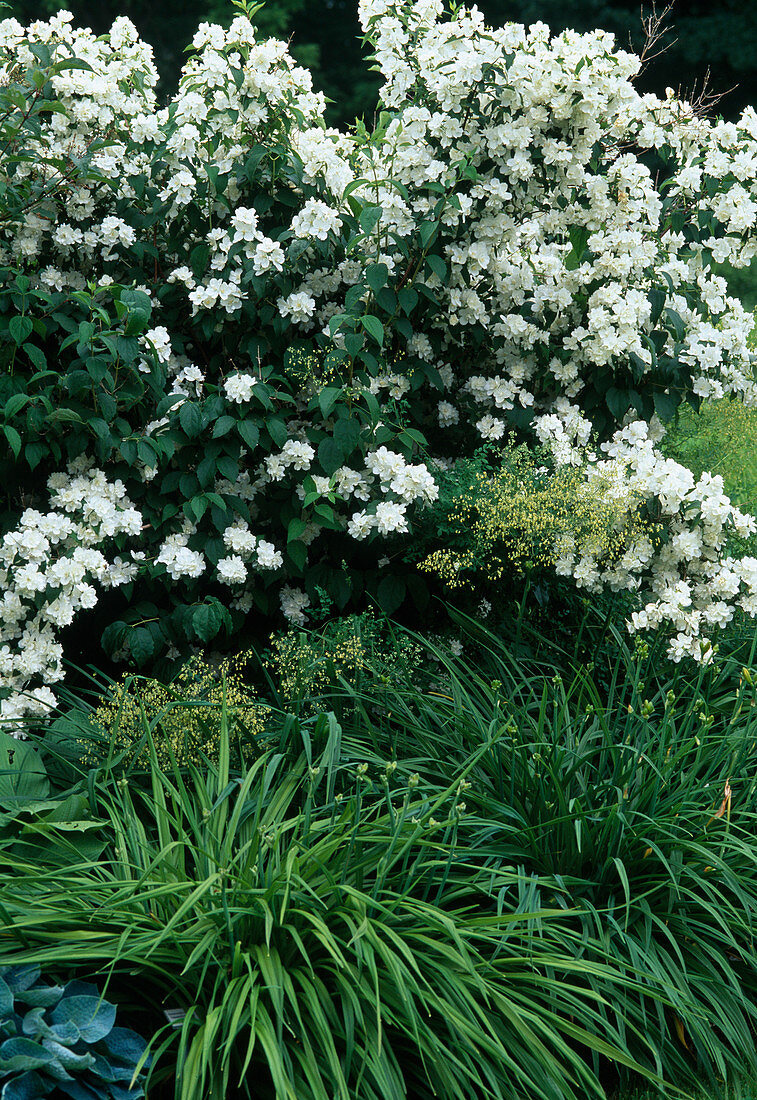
(686, 582)
(49, 566)
(245, 549)
(185, 717)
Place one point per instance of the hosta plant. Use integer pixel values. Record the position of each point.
(61, 1040)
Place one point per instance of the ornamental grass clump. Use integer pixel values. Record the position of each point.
(316, 928)
(631, 809)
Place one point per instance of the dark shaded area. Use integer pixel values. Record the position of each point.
(719, 36)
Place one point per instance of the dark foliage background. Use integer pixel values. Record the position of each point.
(719, 36)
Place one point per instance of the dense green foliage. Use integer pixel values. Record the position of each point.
(480, 877)
(515, 860)
(319, 933)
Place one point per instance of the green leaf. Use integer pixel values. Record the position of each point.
(14, 439)
(196, 507)
(23, 778)
(20, 328)
(145, 453)
(347, 434)
(408, 299)
(327, 398)
(677, 322)
(618, 402)
(141, 644)
(665, 405)
(198, 260)
(297, 552)
(190, 418)
(657, 298)
(376, 276)
(15, 404)
(70, 63)
(206, 470)
(223, 426)
(207, 620)
(391, 593)
(228, 467)
(369, 218)
(34, 453)
(296, 528)
(427, 232)
(374, 328)
(277, 430)
(438, 266)
(353, 342)
(138, 321)
(249, 432)
(578, 235)
(36, 356)
(330, 455)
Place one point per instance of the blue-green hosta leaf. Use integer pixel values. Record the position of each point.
(19, 1054)
(40, 996)
(93, 1016)
(102, 1069)
(77, 1091)
(21, 977)
(36, 1026)
(126, 1094)
(29, 1086)
(6, 999)
(67, 1057)
(125, 1045)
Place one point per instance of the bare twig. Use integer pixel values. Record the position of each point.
(655, 27)
(655, 30)
(704, 101)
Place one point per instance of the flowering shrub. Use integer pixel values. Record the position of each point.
(273, 333)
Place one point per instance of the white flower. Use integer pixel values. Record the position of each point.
(299, 306)
(489, 427)
(245, 223)
(447, 414)
(268, 254)
(239, 387)
(268, 556)
(297, 454)
(160, 341)
(232, 570)
(390, 517)
(361, 525)
(316, 219)
(179, 560)
(239, 539)
(293, 604)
